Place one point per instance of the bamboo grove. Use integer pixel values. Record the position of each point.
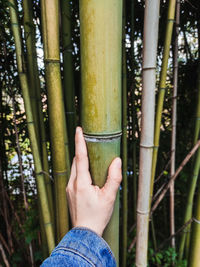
(128, 72)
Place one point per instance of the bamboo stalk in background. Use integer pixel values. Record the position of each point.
(174, 118)
(101, 33)
(32, 132)
(162, 87)
(60, 159)
(133, 112)
(19, 154)
(30, 57)
(4, 257)
(172, 179)
(34, 82)
(124, 143)
(185, 238)
(68, 73)
(151, 20)
(192, 182)
(194, 251)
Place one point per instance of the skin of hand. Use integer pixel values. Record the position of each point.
(89, 205)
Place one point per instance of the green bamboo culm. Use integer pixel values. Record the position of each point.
(59, 148)
(189, 205)
(68, 73)
(31, 128)
(162, 87)
(194, 251)
(101, 45)
(34, 86)
(124, 144)
(184, 243)
(197, 118)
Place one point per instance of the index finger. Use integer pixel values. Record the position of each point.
(82, 163)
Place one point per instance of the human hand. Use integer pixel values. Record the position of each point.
(89, 205)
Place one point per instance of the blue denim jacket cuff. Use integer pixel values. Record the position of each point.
(88, 245)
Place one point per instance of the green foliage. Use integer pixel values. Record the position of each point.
(31, 226)
(164, 258)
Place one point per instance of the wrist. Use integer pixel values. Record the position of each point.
(88, 227)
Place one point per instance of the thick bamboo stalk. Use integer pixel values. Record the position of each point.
(33, 77)
(101, 33)
(68, 73)
(151, 20)
(162, 87)
(174, 118)
(124, 146)
(32, 133)
(60, 159)
(195, 236)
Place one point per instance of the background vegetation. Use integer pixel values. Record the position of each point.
(22, 235)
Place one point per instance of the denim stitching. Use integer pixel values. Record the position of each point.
(88, 229)
(75, 252)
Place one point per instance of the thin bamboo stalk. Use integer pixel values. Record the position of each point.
(194, 251)
(4, 210)
(30, 39)
(19, 154)
(183, 163)
(151, 20)
(32, 133)
(174, 118)
(124, 144)
(101, 33)
(189, 205)
(162, 87)
(197, 118)
(4, 257)
(133, 112)
(60, 155)
(185, 242)
(33, 77)
(68, 73)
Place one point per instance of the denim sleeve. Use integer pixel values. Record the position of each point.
(81, 247)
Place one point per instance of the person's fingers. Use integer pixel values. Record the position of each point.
(73, 173)
(114, 178)
(82, 163)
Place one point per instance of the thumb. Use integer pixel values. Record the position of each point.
(114, 178)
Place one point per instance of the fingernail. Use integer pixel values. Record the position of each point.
(78, 129)
(119, 163)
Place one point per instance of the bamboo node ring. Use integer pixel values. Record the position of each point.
(171, 20)
(147, 146)
(60, 173)
(102, 138)
(49, 60)
(143, 212)
(15, 24)
(48, 223)
(148, 68)
(196, 221)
